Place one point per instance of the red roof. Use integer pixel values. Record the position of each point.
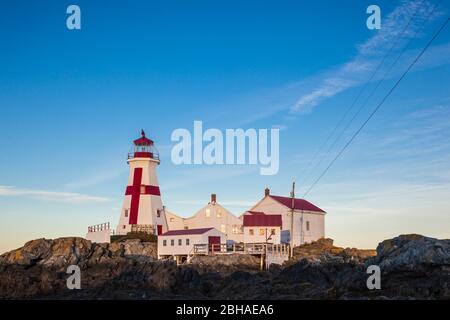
(143, 140)
(186, 232)
(262, 220)
(299, 204)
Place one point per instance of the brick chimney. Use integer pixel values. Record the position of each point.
(213, 198)
(266, 192)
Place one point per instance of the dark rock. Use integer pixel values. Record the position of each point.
(412, 266)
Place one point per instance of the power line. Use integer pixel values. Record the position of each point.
(359, 95)
(378, 106)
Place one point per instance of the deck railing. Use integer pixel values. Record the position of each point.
(99, 227)
(242, 248)
(145, 228)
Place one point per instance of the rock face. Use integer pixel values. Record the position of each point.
(323, 250)
(412, 266)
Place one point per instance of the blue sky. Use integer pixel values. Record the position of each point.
(71, 102)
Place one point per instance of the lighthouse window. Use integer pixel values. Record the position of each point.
(208, 213)
(261, 232)
(172, 242)
(307, 225)
(158, 213)
(126, 213)
(187, 242)
(164, 243)
(142, 189)
(180, 242)
(251, 232)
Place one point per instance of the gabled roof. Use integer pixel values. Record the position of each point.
(299, 204)
(185, 232)
(262, 220)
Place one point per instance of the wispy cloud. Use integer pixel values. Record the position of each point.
(10, 191)
(368, 56)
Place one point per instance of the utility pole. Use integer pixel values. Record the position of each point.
(291, 236)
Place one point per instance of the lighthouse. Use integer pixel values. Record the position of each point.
(142, 209)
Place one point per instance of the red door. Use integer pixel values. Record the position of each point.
(159, 229)
(216, 241)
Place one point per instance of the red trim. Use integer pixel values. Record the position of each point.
(143, 155)
(152, 190)
(135, 195)
(183, 232)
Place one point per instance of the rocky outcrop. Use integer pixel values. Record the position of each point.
(412, 266)
(226, 263)
(324, 250)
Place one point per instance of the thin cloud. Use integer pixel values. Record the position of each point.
(369, 54)
(69, 197)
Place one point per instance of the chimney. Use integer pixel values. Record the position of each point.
(213, 198)
(266, 192)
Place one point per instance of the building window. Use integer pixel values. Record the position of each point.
(126, 213)
(172, 242)
(187, 242)
(142, 189)
(180, 242)
(261, 232)
(307, 225)
(218, 214)
(164, 243)
(208, 213)
(272, 232)
(186, 227)
(172, 219)
(251, 232)
(123, 227)
(223, 228)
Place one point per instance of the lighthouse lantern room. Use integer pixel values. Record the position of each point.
(142, 209)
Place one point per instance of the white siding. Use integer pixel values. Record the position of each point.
(257, 238)
(183, 249)
(317, 221)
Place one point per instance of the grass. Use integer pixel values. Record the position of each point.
(135, 235)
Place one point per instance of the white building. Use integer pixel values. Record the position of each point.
(180, 243)
(262, 228)
(213, 215)
(308, 219)
(100, 233)
(142, 208)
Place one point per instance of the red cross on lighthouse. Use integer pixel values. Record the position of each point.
(136, 190)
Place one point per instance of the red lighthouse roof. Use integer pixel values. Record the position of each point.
(144, 148)
(143, 140)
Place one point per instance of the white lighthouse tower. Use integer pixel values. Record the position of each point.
(142, 209)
